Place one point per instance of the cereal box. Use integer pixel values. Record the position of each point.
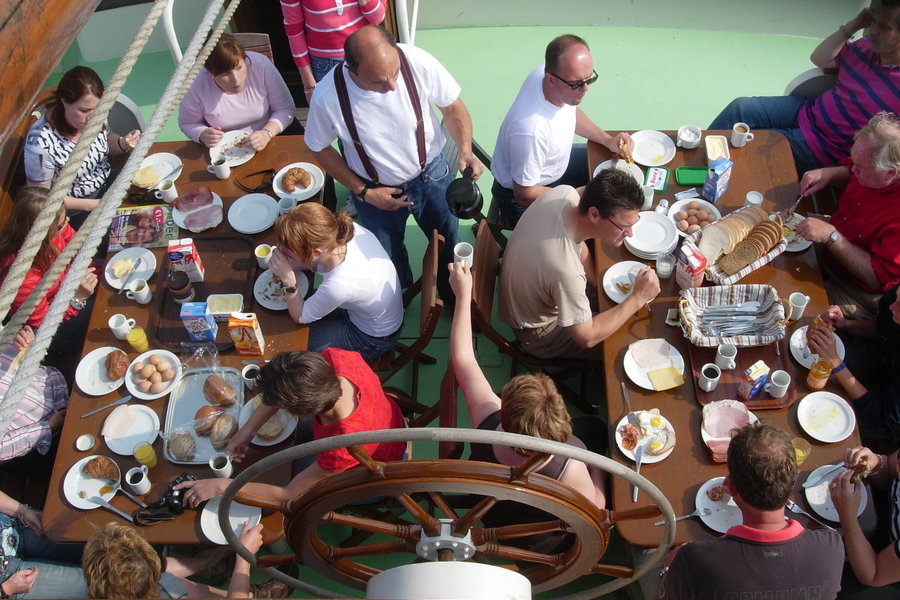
(199, 322)
(717, 179)
(183, 256)
(690, 267)
(246, 334)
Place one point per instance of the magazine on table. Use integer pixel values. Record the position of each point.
(145, 226)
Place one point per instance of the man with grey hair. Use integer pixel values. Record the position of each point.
(862, 238)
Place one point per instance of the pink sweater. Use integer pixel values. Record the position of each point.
(319, 27)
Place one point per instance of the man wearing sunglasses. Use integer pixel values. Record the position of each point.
(534, 150)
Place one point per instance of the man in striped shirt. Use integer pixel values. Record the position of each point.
(821, 129)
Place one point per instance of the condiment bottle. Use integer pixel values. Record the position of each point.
(818, 376)
(180, 287)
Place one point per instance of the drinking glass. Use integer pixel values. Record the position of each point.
(137, 337)
(145, 454)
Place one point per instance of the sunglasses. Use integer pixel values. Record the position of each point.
(577, 85)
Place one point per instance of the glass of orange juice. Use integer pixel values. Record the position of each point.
(137, 337)
(145, 454)
(802, 448)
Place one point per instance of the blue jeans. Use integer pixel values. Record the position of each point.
(321, 66)
(56, 578)
(428, 193)
(335, 330)
(771, 112)
(576, 175)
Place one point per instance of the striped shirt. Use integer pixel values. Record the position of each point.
(319, 27)
(864, 87)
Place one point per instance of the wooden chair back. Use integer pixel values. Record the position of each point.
(255, 42)
(448, 413)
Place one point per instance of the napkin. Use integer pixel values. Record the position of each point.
(118, 422)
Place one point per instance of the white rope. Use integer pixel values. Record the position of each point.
(97, 224)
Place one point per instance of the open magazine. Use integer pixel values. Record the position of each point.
(146, 226)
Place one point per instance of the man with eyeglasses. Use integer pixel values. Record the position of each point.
(547, 268)
(534, 150)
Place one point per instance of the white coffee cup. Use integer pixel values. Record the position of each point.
(139, 291)
(709, 377)
(725, 356)
(120, 325)
(285, 205)
(798, 305)
(166, 192)
(263, 254)
(464, 253)
(753, 199)
(219, 168)
(778, 383)
(689, 136)
(137, 479)
(249, 375)
(648, 197)
(220, 463)
(740, 135)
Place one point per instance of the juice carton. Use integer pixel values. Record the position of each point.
(199, 322)
(183, 256)
(246, 334)
(752, 381)
(690, 267)
(717, 179)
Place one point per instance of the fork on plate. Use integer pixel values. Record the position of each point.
(700, 512)
(792, 506)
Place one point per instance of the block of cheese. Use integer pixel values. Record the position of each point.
(666, 378)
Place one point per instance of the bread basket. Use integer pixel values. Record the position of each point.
(720, 277)
(768, 324)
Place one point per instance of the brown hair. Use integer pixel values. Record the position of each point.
(77, 83)
(310, 226)
(610, 191)
(301, 382)
(227, 54)
(557, 47)
(119, 563)
(762, 465)
(531, 405)
(27, 204)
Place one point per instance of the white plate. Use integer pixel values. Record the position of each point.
(795, 242)
(647, 458)
(266, 291)
(144, 428)
(179, 216)
(652, 233)
(129, 376)
(618, 273)
(724, 515)
(316, 174)
(289, 421)
(638, 375)
(706, 437)
(146, 271)
(652, 148)
(237, 514)
(253, 213)
(90, 375)
(683, 204)
(234, 155)
(826, 417)
(819, 498)
(163, 163)
(798, 346)
(620, 163)
(77, 481)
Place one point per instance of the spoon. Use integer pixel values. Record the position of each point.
(748, 306)
(118, 486)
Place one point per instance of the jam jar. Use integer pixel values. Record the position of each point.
(818, 376)
(180, 287)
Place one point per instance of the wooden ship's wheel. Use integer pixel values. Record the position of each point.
(434, 510)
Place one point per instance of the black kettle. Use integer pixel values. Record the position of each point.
(464, 197)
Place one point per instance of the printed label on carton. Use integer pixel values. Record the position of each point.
(753, 380)
(199, 322)
(690, 267)
(246, 334)
(183, 256)
(717, 179)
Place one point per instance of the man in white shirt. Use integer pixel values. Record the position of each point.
(396, 169)
(534, 150)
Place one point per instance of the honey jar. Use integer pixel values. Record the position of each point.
(180, 287)
(818, 376)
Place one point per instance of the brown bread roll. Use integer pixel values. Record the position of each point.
(217, 391)
(205, 418)
(101, 467)
(116, 365)
(223, 430)
(182, 446)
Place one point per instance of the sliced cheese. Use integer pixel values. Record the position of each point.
(666, 378)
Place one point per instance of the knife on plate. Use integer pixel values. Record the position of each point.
(639, 449)
(137, 265)
(108, 506)
(173, 175)
(820, 477)
(122, 400)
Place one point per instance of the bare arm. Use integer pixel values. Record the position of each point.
(459, 124)
(577, 476)
(855, 259)
(590, 270)
(283, 268)
(825, 53)
(821, 341)
(586, 128)
(336, 166)
(526, 194)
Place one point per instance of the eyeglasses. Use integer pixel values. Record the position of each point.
(577, 85)
(619, 227)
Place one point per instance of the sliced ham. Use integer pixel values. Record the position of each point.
(204, 218)
(193, 200)
(720, 418)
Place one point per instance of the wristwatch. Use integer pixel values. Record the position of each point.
(835, 236)
(362, 192)
(291, 289)
(77, 304)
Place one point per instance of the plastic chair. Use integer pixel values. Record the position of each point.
(125, 116)
(811, 83)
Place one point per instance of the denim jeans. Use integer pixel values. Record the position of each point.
(321, 66)
(576, 175)
(428, 193)
(771, 112)
(335, 330)
(56, 579)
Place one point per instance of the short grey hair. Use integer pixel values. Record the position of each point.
(883, 132)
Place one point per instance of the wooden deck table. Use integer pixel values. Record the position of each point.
(765, 165)
(65, 523)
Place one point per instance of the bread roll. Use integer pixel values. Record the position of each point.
(101, 467)
(222, 431)
(116, 365)
(205, 418)
(271, 429)
(217, 391)
(182, 446)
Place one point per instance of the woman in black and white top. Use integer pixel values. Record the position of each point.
(52, 139)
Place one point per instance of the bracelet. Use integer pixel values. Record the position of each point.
(77, 304)
(839, 368)
(20, 512)
(881, 460)
(269, 131)
(122, 148)
(309, 88)
(843, 29)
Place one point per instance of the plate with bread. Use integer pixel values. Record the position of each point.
(723, 512)
(653, 427)
(120, 265)
(819, 498)
(800, 348)
(129, 425)
(154, 167)
(101, 371)
(153, 374)
(300, 181)
(617, 282)
(91, 476)
(274, 431)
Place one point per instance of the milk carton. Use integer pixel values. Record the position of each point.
(717, 179)
(690, 267)
(183, 256)
(246, 334)
(199, 322)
